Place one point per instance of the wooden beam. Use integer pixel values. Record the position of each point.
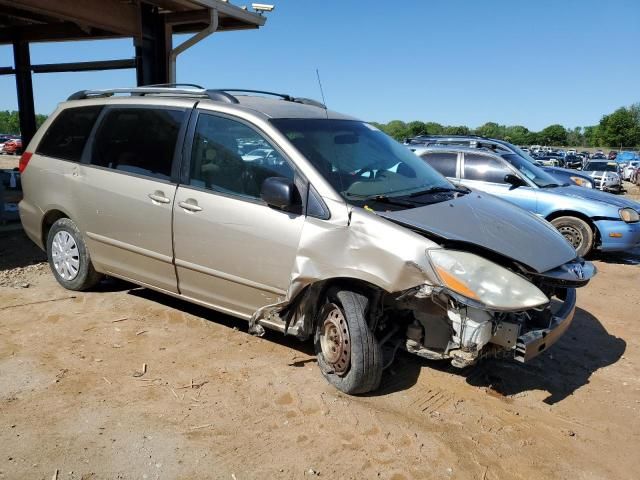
(24, 88)
(227, 9)
(85, 66)
(76, 66)
(111, 15)
(193, 16)
(55, 32)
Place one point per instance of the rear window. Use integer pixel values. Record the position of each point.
(67, 135)
(445, 163)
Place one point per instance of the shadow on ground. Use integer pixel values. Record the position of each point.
(403, 374)
(18, 251)
(584, 349)
(305, 348)
(630, 257)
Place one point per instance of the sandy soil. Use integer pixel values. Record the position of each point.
(216, 402)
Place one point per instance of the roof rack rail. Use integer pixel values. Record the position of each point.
(175, 85)
(284, 96)
(217, 94)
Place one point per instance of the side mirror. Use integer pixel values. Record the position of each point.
(514, 180)
(280, 193)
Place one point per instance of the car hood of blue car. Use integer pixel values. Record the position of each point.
(494, 224)
(593, 194)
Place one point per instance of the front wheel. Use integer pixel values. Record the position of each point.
(69, 258)
(577, 232)
(348, 353)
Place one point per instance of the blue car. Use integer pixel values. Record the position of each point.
(588, 219)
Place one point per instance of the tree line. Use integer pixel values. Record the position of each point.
(618, 129)
(10, 123)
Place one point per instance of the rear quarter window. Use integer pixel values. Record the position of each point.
(445, 163)
(66, 137)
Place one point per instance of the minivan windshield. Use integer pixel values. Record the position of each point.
(534, 173)
(360, 161)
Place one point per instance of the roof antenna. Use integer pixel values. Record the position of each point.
(321, 90)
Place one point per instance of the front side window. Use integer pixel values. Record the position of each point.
(66, 137)
(443, 162)
(484, 168)
(229, 157)
(530, 170)
(138, 140)
(358, 160)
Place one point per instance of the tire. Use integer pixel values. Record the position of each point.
(361, 370)
(577, 232)
(69, 258)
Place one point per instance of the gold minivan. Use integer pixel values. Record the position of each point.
(276, 210)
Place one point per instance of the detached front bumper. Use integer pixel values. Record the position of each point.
(534, 342)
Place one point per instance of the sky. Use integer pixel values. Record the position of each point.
(456, 62)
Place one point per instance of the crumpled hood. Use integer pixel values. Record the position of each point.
(597, 195)
(492, 223)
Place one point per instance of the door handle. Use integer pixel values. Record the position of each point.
(158, 197)
(190, 205)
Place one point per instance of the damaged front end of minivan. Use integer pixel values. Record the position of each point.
(499, 313)
(439, 296)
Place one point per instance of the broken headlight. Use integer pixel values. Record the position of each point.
(483, 281)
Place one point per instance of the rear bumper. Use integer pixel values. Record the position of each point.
(625, 235)
(31, 218)
(534, 342)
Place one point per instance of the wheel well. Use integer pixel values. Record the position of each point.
(581, 216)
(311, 298)
(49, 219)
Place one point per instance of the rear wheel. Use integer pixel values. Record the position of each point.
(577, 232)
(348, 353)
(68, 257)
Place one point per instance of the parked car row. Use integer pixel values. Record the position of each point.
(334, 232)
(10, 144)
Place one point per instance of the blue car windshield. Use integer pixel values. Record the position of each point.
(360, 161)
(534, 173)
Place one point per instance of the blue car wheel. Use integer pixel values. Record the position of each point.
(577, 232)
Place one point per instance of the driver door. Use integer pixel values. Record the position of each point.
(232, 251)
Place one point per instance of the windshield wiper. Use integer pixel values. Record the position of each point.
(383, 199)
(439, 190)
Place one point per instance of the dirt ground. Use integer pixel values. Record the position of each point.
(216, 402)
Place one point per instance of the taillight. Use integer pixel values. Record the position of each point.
(24, 161)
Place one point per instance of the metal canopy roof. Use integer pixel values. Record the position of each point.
(63, 20)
